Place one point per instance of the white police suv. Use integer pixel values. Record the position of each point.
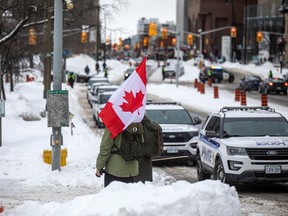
(243, 144)
(180, 134)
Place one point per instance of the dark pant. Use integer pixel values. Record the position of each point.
(108, 178)
(145, 170)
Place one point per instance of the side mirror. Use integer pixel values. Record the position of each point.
(197, 120)
(94, 101)
(210, 134)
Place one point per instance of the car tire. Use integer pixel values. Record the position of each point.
(266, 91)
(201, 175)
(219, 172)
(99, 125)
(285, 92)
(231, 79)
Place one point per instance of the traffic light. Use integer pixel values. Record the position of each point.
(32, 37)
(152, 29)
(190, 39)
(233, 32)
(164, 33)
(120, 41)
(145, 41)
(259, 36)
(174, 41)
(83, 37)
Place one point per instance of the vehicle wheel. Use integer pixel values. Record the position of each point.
(201, 175)
(215, 80)
(285, 92)
(219, 172)
(99, 125)
(266, 91)
(231, 79)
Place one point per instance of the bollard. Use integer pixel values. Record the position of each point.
(199, 86)
(202, 91)
(243, 98)
(210, 81)
(196, 83)
(216, 92)
(237, 94)
(264, 100)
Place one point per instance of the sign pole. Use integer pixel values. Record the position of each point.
(56, 139)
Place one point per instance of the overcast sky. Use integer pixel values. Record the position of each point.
(128, 16)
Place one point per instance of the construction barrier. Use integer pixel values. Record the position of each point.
(264, 100)
(202, 90)
(237, 94)
(199, 86)
(196, 83)
(216, 92)
(210, 81)
(243, 101)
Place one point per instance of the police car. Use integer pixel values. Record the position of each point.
(218, 74)
(243, 144)
(180, 134)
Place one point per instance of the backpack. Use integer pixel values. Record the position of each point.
(131, 147)
(153, 138)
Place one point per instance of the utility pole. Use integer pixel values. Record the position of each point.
(104, 39)
(48, 42)
(97, 27)
(284, 58)
(57, 77)
(245, 33)
(178, 54)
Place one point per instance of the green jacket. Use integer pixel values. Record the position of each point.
(114, 164)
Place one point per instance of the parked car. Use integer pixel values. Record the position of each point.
(128, 72)
(171, 68)
(91, 91)
(102, 88)
(274, 84)
(180, 134)
(250, 83)
(218, 74)
(103, 98)
(243, 144)
(95, 80)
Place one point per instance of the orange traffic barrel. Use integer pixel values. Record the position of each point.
(216, 92)
(196, 83)
(243, 101)
(210, 81)
(237, 94)
(199, 86)
(264, 100)
(202, 89)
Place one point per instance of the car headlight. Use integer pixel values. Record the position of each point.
(236, 151)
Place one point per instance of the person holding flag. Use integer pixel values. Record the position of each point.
(125, 107)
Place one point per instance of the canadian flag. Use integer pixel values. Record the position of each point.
(127, 104)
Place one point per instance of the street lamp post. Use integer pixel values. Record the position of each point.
(200, 42)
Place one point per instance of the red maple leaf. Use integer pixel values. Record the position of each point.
(133, 103)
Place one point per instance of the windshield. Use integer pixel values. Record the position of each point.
(170, 116)
(242, 127)
(104, 98)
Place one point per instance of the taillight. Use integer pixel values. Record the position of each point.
(286, 84)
